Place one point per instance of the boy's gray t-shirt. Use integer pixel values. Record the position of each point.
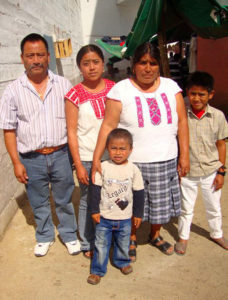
(117, 184)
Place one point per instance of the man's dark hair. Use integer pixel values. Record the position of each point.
(202, 79)
(33, 37)
(120, 133)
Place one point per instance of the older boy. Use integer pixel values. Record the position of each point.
(208, 130)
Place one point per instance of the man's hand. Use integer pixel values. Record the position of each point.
(20, 173)
(137, 222)
(96, 218)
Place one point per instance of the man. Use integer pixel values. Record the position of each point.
(32, 116)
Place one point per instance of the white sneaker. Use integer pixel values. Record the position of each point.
(41, 249)
(73, 247)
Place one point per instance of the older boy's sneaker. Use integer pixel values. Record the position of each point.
(41, 249)
(73, 247)
(93, 279)
(126, 270)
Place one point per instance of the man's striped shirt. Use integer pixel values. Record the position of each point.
(38, 123)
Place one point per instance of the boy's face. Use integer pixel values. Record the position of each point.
(199, 97)
(119, 149)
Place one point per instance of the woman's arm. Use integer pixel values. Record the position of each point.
(112, 116)
(183, 137)
(72, 125)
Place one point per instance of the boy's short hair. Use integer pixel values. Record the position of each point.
(202, 79)
(120, 133)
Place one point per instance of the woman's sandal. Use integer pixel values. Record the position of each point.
(164, 247)
(88, 254)
(132, 252)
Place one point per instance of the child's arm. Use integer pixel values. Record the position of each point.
(94, 202)
(138, 207)
(219, 179)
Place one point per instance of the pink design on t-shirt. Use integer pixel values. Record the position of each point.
(155, 114)
(167, 106)
(139, 111)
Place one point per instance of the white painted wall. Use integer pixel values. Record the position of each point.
(17, 19)
(108, 18)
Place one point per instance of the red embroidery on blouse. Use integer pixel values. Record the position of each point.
(79, 95)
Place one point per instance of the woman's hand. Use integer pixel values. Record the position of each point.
(96, 167)
(183, 166)
(82, 174)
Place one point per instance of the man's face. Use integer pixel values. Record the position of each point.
(35, 58)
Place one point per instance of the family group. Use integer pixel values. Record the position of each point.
(139, 152)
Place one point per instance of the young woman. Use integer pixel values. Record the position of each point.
(85, 105)
(151, 107)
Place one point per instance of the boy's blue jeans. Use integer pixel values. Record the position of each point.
(120, 230)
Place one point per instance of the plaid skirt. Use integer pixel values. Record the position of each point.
(162, 191)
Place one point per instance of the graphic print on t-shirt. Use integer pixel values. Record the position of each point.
(116, 191)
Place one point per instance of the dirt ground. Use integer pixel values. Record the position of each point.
(201, 274)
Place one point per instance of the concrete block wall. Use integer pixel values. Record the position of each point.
(59, 19)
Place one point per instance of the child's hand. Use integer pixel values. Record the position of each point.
(218, 182)
(96, 218)
(137, 222)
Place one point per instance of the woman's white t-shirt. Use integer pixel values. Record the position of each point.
(151, 118)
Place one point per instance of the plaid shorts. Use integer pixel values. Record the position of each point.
(162, 191)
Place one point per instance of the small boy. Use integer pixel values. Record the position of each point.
(207, 130)
(117, 192)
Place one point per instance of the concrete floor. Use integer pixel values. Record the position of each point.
(201, 274)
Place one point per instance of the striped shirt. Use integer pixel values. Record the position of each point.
(38, 123)
(204, 133)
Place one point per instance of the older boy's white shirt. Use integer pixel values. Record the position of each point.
(117, 184)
